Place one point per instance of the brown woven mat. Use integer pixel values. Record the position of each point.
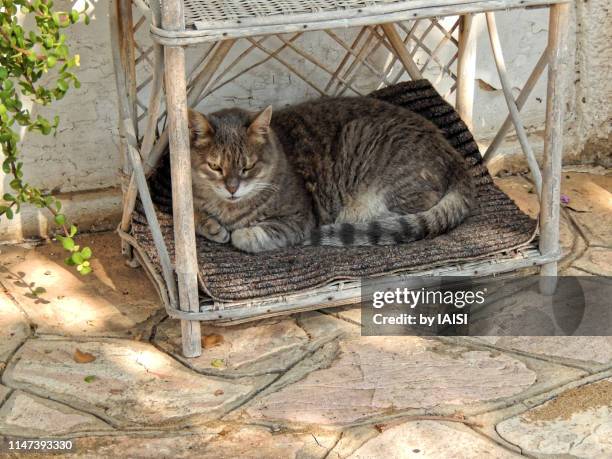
(227, 274)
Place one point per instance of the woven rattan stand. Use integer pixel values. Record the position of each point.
(148, 127)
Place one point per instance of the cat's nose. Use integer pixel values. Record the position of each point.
(232, 185)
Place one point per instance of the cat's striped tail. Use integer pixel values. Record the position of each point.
(449, 212)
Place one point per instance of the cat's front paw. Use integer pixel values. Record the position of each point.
(211, 229)
(252, 240)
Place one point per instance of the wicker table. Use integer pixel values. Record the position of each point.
(146, 130)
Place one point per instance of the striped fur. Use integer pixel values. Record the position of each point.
(334, 171)
(449, 212)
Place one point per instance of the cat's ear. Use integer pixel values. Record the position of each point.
(260, 126)
(200, 129)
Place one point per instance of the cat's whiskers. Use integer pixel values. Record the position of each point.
(265, 187)
(258, 188)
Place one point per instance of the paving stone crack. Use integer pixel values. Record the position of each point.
(10, 358)
(486, 437)
(573, 224)
(205, 372)
(522, 453)
(517, 352)
(575, 445)
(6, 396)
(108, 422)
(16, 303)
(272, 382)
(153, 333)
(578, 229)
(340, 437)
(585, 271)
(546, 395)
(338, 317)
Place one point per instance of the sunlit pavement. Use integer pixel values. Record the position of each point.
(95, 359)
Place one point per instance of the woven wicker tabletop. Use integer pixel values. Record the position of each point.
(212, 20)
(223, 12)
(219, 13)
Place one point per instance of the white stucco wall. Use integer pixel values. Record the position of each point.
(82, 161)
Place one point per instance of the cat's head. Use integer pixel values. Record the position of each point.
(233, 152)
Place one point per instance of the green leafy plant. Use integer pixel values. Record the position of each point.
(35, 64)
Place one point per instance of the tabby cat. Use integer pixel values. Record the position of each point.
(334, 171)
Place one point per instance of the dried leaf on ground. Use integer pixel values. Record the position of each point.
(209, 341)
(83, 357)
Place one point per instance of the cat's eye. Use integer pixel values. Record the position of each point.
(215, 167)
(248, 168)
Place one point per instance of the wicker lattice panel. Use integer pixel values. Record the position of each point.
(332, 62)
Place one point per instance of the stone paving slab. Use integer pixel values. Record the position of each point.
(222, 442)
(254, 348)
(322, 328)
(29, 416)
(584, 188)
(114, 300)
(377, 375)
(14, 328)
(351, 439)
(130, 384)
(429, 439)
(592, 352)
(268, 346)
(488, 420)
(596, 260)
(301, 372)
(4, 392)
(578, 422)
(589, 203)
(159, 445)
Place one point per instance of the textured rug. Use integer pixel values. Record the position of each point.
(227, 274)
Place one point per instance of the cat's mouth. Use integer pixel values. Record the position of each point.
(233, 198)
